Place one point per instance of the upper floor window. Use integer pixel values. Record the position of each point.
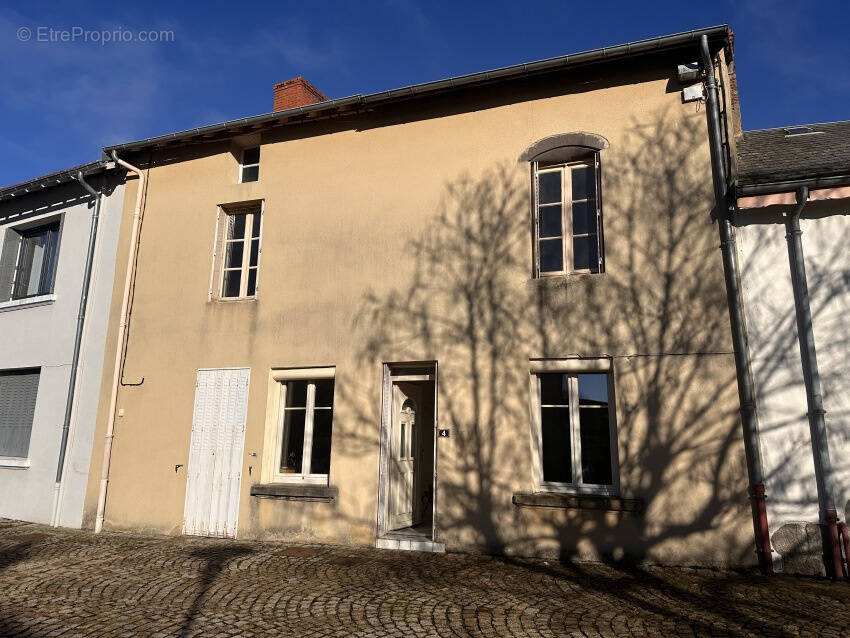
(567, 203)
(568, 218)
(238, 252)
(249, 168)
(28, 261)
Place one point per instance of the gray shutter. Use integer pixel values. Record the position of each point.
(18, 390)
(8, 257)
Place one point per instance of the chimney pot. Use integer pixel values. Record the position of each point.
(296, 92)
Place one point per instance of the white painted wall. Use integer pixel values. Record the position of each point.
(771, 325)
(43, 336)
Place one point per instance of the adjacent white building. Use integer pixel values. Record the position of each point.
(773, 164)
(45, 237)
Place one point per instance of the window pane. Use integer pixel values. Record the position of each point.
(554, 389)
(593, 389)
(595, 446)
(49, 270)
(557, 466)
(252, 282)
(549, 187)
(255, 252)
(551, 255)
(594, 429)
(293, 441)
(233, 254)
(584, 182)
(236, 226)
(584, 217)
(586, 253)
(251, 156)
(325, 393)
(550, 221)
(250, 173)
(402, 446)
(320, 459)
(38, 244)
(255, 226)
(230, 285)
(296, 394)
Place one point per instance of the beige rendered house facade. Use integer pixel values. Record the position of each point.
(486, 315)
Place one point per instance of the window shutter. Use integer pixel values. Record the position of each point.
(18, 390)
(8, 257)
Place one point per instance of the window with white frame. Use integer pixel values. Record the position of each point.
(238, 251)
(28, 260)
(568, 217)
(18, 391)
(249, 167)
(303, 427)
(575, 430)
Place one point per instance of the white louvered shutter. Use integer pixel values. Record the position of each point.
(215, 459)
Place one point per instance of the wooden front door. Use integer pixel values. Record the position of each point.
(403, 452)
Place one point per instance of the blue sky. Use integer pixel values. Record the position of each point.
(62, 101)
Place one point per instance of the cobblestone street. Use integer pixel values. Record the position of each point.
(70, 583)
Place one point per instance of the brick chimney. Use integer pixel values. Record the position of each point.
(296, 92)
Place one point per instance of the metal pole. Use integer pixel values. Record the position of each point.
(75, 358)
(746, 392)
(814, 395)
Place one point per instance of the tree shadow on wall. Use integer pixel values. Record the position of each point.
(659, 311)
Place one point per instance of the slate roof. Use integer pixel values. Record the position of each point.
(770, 155)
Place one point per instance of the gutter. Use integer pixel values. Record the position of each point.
(40, 184)
(790, 186)
(78, 338)
(734, 298)
(604, 54)
(814, 395)
(119, 347)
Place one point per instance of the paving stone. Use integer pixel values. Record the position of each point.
(72, 583)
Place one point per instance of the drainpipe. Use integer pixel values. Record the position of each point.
(119, 348)
(78, 339)
(814, 396)
(746, 391)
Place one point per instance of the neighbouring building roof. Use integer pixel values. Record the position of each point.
(52, 179)
(792, 153)
(718, 36)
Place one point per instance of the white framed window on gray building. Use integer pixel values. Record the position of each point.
(574, 435)
(28, 260)
(567, 217)
(299, 426)
(236, 259)
(18, 391)
(249, 167)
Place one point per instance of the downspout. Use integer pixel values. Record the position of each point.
(814, 396)
(78, 339)
(746, 391)
(119, 347)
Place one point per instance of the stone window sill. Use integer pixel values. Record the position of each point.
(26, 302)
(283, 491)
(14, 462)
(578, 501)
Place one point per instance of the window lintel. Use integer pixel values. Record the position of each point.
(564, 147)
